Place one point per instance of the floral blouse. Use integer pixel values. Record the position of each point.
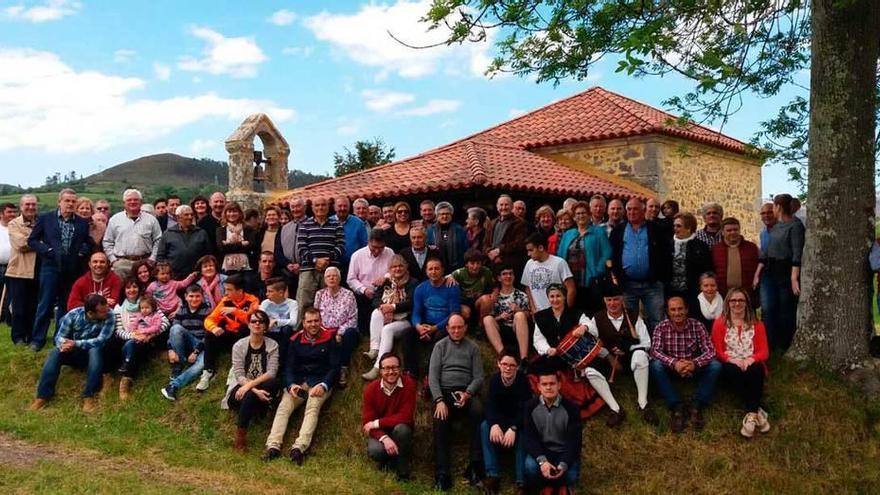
(338, 311)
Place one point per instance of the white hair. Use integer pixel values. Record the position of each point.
(132, 192)
(183, 209)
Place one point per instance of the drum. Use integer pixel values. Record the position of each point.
(578, 352)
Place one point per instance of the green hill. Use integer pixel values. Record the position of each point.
(163, 169)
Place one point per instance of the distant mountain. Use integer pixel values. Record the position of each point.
(164, 169)
(169, 169)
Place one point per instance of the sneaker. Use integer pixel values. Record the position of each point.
(372, 354)
(89, 405)
(615, 418)
(270, 453)
(763, 422)
(649, 416)
(749, 424)
(124, 369)
(697, 420)
(679, 420)
(205, 380)
(371, 375)
(169, 392)
(296, 456)
(343, 376)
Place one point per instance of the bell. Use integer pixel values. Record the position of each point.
(259, 174)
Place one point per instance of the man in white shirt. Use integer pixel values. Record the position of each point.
(131, 236)
(7, 213)
(544, 269)
(366, 272)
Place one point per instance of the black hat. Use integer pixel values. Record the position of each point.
(610, 289)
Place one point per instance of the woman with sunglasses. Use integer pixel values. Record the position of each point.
(740, 342)
(252, 383)
(397, 236)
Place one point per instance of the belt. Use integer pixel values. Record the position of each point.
(134, 258)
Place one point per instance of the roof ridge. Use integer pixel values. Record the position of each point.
(478, 170)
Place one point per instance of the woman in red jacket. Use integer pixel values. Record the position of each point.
(740, 342)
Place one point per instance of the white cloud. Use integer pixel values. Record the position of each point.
(364, 38)
(304, 51)
(347, 130)
(123, 55)
(200, 146)
(282, 17)
(161, 71)
(431, 108)
(48, 105)
(515, 112)
(380, 100)
(50, 10)
(238, 57)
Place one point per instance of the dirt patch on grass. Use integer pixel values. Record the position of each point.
(15, 452)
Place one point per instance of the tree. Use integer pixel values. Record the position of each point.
(731, 49)
(366, 154)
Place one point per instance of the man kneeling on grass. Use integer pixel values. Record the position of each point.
(79, 341)
(389, 416)
(312, 368)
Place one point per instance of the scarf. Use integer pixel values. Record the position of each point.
(710, 310)
(681, 243)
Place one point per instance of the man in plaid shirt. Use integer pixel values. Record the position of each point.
(681, 348)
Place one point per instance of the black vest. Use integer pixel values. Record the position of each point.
(611, 337)
(555, 330)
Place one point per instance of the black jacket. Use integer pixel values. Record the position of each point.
(415, 271)
(183, 249)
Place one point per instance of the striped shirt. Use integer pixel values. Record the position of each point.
(316, 240)
(127, 236)
(83, 331)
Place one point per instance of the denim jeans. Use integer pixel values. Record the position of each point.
(183, 343)
(535, 479)
(53, 289)
(349, 343)
(24, 305)
(490, 454)
(706, 377)
(779, 311)
(648, 293)
(90, 359)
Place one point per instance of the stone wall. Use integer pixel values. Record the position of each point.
(687, 172)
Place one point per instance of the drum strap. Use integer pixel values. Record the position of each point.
(629, 324)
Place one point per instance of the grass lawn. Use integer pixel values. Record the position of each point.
(824, 439)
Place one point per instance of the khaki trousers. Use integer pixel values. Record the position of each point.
(288, 405)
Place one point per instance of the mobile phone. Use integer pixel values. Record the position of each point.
(554, 471)
(302, 394)
(458, 396)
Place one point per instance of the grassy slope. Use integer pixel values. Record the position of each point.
(823, 440)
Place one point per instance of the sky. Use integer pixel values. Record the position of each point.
(87, 84)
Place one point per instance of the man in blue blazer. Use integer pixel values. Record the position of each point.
(62, 242)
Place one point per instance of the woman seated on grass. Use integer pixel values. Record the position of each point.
(211, 280)
(339, 314)
(741, 345)
(393, 302)
(252, 383)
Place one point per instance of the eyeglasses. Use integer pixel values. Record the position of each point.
(507, 365)
(258, 322)
(401, 211)
(390, 369)
(737, 301)
(102, 208)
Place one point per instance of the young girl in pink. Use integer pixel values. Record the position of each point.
(146, 326)
(164, 289)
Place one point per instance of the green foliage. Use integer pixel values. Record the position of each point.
(366, 154)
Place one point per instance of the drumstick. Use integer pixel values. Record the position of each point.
(614, 365)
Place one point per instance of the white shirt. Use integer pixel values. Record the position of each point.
(364, 268)
(5, 247)
(132, 236)
(538, 275)
(641, 331)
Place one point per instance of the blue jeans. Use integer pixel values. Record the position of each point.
(535, 479)
(53, 289)
(183, 343)
(778, 310)
(706, 377)
(24, 305)
(349, 343)
(648, 293)
(490, 454)
(91, 359)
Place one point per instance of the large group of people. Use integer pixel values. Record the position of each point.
(567, 301)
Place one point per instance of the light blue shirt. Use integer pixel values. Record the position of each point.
(635, 252)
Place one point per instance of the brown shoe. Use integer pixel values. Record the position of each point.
(125, 388)
(37, 404)
(89, 405)
(240, 442)
(615, 418)
(491, 485)
(679, 420)
(697, 420)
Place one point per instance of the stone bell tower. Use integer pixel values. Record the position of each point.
(253, 178)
